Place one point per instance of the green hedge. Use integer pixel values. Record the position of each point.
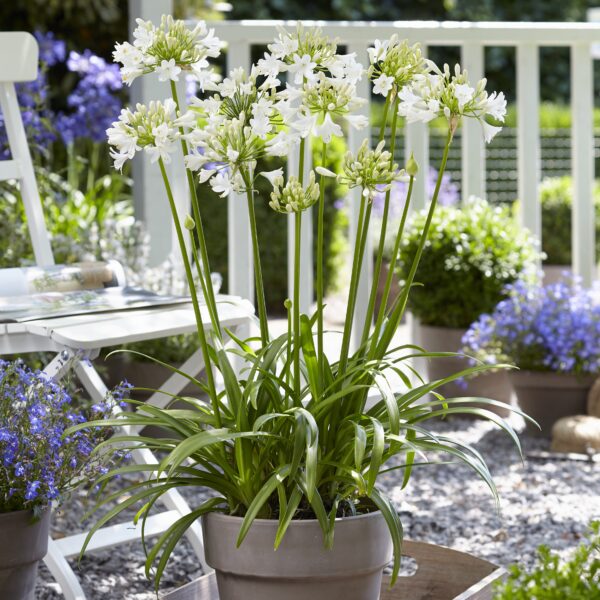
(472, 252)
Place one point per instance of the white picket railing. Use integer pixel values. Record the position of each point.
(472, 38)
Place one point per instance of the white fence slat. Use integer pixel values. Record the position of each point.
(306, 237)
(240, 255)
(473, 144)
(355, 139)
(528, 136)
(582, 104)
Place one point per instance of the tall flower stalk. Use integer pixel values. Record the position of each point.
(291, 435)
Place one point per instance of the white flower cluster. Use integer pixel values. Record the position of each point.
(450, 95)
(252, 114)
(167, 50)
(154, 129)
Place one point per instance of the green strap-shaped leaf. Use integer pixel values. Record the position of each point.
(310, 357)
(259, 500)
(394, 525)
(376, 454)
(286, 515)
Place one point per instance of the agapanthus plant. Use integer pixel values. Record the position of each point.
(542, 328)
(291, 435)
(39, 462)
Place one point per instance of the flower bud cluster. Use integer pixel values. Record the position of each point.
(371, 170)
(394, 64)
(293, 196)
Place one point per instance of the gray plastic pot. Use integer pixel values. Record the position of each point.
(301, 568)
(494, 385)
(27, 545)
(548, 397)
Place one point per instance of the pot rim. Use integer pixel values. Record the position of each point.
(22, 512)
(304, 522)
(583, 378)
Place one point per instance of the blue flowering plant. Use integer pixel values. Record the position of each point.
(40, 460)
(541, 328)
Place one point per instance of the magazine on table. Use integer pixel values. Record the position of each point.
(31, 293)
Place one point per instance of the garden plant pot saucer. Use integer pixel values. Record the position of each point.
(442, 574)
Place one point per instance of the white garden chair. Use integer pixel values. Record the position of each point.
(76, 340)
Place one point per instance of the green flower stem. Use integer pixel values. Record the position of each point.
(390, 275)
(359, 244)
(258, 277)
(320, 286)
(196, 305)
(398, 312)
(296, 301)
(204, 272)
(297, 250)
(382, 235)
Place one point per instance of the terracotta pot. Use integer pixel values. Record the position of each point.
(548, 397)
(25, 544)
(301, 567)
(495, 385)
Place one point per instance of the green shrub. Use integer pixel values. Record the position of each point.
(471, 254)
(272, 230)
(551, 579)
(556, 195)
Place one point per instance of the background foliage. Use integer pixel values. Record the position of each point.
(471, 254)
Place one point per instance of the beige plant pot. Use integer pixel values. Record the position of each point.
(493, 385)
(301, 568)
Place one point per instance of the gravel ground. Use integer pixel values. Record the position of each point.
(543, 501)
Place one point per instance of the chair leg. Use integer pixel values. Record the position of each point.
(63, 573)
(171, 499)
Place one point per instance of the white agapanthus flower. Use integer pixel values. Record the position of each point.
(168, 49)
(153, 129)
(450, 95)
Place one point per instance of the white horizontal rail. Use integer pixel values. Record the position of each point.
(432, 33)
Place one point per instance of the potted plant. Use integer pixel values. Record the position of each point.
(473, 251)
(556, 197)
(551, 334)
(288, 446)
(40, 465)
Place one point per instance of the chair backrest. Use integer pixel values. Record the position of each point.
(19, 62)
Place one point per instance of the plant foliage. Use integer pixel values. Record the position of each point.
(472, 252)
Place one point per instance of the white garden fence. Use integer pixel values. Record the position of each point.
(472, 38)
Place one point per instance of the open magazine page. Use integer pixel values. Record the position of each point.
(19, 309)
(22, 281)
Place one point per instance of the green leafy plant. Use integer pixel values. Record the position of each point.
(291, 435)
(472, 252)
(552, 579)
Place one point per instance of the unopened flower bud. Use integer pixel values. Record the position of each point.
(412, 167)
(287, 303)
(189, 223)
